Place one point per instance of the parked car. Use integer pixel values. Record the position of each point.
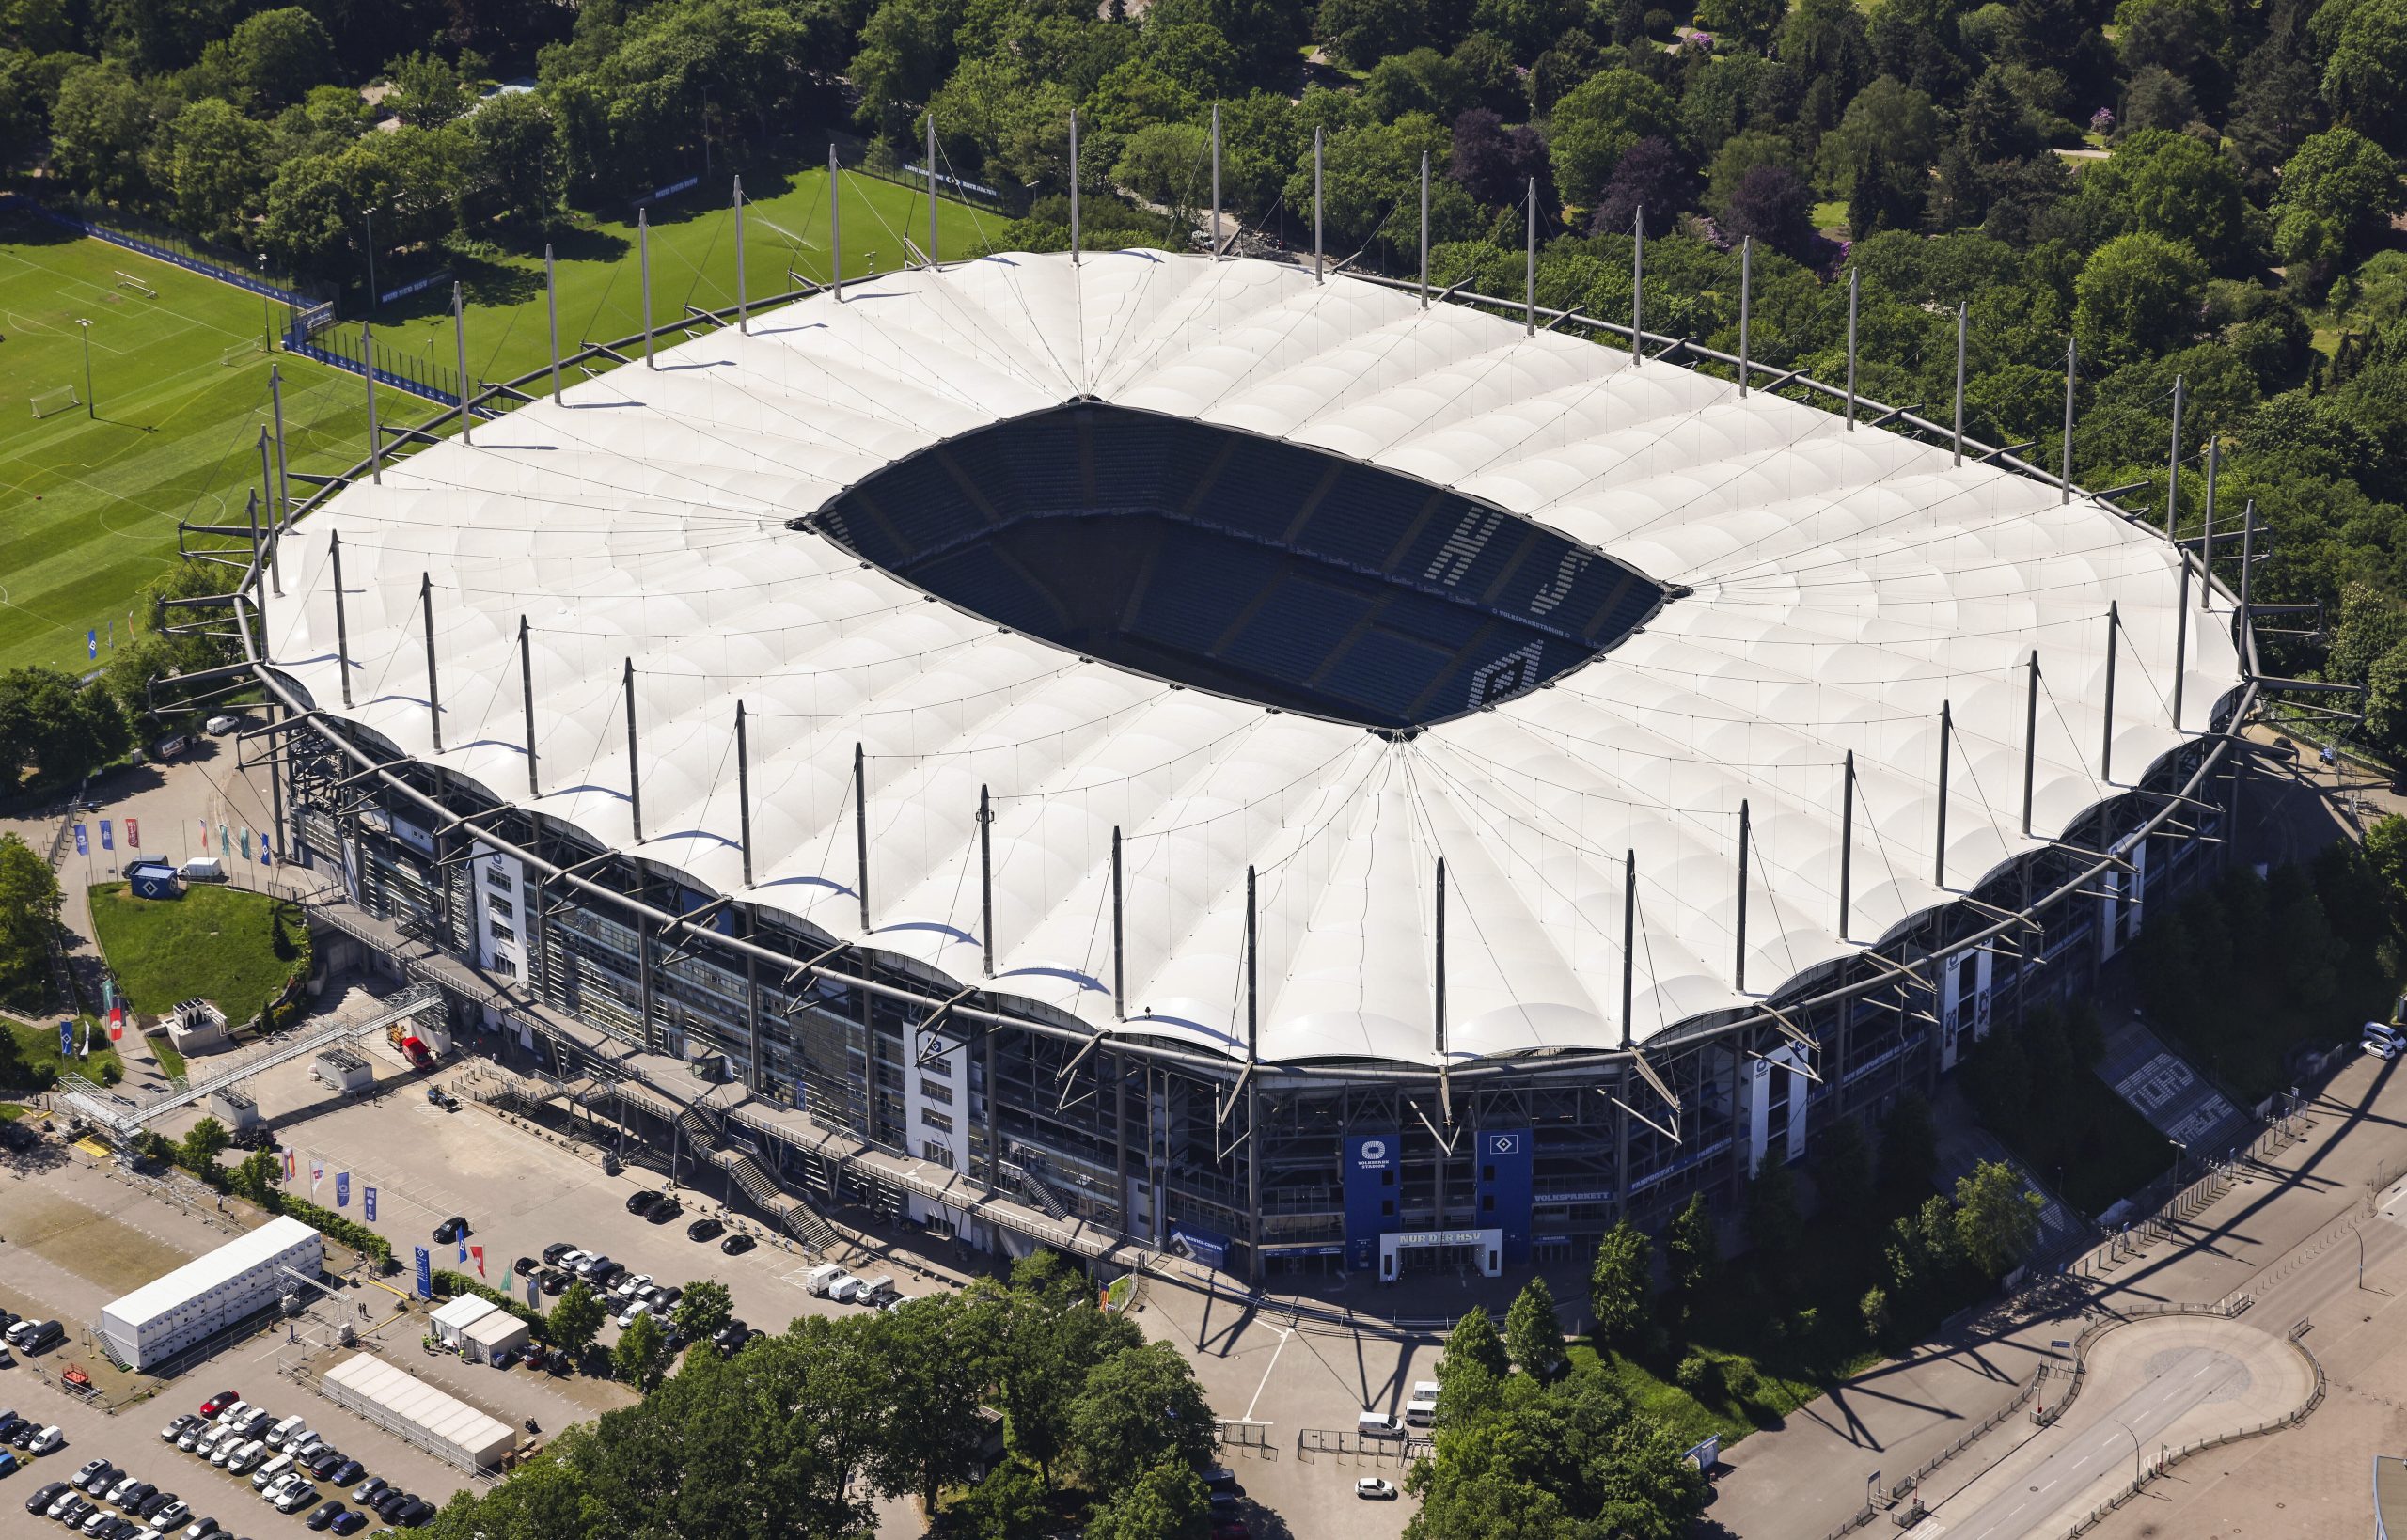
(1374, 1488)
(50, 1440)
(219, 1401)
(664, 1210)
(552, 1281)
(297, 1499)
(220, 724)
(641, 1200)
(345, 1472)
(371, 1490)
(172, 1515)
(737, 1244)
(553, 1252)
(44, 1494)
(323, 1515)
(349, 1521)
(525, 1265)
(454, 1229)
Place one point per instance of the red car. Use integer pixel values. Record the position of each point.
(219, 1401)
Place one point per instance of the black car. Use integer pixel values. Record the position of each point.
(137, 1496)
(322, 1463)
(372, 1489)
(606, 1275)
(322, 1515)
(664, 1210)
(737, 1244)
(641, 1200)
(551, 1281)
(44, 1494)
(346, 1472)
(416, 1516)
(553, 1252)
(392, 1501)
(525, 1265)
(703, 1230)
(155, 1503)
(455, 1227)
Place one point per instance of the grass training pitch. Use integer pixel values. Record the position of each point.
(168, 426)
(168, 429)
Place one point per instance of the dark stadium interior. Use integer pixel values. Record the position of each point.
(1245, 565)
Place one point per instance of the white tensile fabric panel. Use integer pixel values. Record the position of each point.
(1845, 585)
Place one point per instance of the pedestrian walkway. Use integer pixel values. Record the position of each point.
(2169, 1092)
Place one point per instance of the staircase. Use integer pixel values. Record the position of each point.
(703, 1126)
(1030, 1185)
(793, 1214)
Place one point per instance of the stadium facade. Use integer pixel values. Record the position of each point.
(1242, 762)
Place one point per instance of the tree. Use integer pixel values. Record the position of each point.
(1997, 1218)
(1621, 1283)
(426, 91)
(1533, 1331)
(2168, 184)
(2188, 39)
(2364, 75)
(99, 129)
(518, 148)
(1774, 1225)
(1889, 134)
(51, 725)
(1843, 1169)
(641, 1356)
(705, 1308)
(29, 905)
(576, 1319)
(259, 1173)
(2337, 194)
(201, 1146)
(1749, 24)
(1596, 125)
(1471, 1367)
(215, 169)
(1651, 178)
(1494, 163)
(1141, 1407)
(1694, 1252)
(278, 55)
(1360, 33)
(1012, 1504)
(2138, 294)
(935, 1352)
(1050, 1337)
(1773, 204)
(1167, 1501)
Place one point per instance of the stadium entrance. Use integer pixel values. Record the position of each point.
(1422, 1250)
(1245, 565)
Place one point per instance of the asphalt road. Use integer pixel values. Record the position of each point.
(2113, 1439)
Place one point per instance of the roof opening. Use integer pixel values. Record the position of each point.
(1244, 565)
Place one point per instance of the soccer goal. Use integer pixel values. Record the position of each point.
(240, 353)
(56, 400)
(127, 280)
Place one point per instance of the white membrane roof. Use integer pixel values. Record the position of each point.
(1846, 584)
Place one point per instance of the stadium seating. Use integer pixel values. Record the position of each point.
(1242, 564)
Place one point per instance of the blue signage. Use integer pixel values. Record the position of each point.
(109, 839)
(82, 841)
(425, 1275)
(343, 1189)
(1369, 1177)
(92, 644)
(1505, 1189)
(369, 1197)
(66, 1038)
(1208, 1247)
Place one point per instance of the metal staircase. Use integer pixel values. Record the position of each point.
(792, 1213)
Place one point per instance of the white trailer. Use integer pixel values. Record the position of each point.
(247, 1275)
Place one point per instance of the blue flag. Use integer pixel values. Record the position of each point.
(92, 644)
(66, 1038)
(463, 1249)
(534, 1293)
(367, 1197)
(343, 1189)
(425, 1275)
(108, 840)
(82, 842)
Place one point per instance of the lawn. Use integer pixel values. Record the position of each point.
(179, 391)
(693, 263)
(88, 504)
(218, 944)
(37, 1046)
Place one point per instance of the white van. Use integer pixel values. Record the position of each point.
(203, 868)
(210, 1439)
(286, 1429)
(281, 1465)
(877, 1290)
(1376, 1424)
(246, 1457)
(1419, 1413)
(821, 1279)
(845, 1287)
(2384, 1031)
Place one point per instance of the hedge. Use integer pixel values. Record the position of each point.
(452, 1284)
(325, 1221)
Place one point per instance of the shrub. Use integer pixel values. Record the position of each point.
(1741, 1379)
(1700, 1377)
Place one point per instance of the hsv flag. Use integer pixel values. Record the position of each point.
(134, 834)
(479, 1252)
(343, 1189)
(108, 840)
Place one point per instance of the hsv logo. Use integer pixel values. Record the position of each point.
(1375, 1149)
(1502, 1143)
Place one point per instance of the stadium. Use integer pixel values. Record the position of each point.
(1143, 751)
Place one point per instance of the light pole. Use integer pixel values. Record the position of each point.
(267, 310)
(87, 327)
(370, 217)
(2135, 1447)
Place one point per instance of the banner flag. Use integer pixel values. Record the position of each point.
(343, 1189)
(368, 1199)
(425, 1275)
(479, 1252)
(134, 834)
(82, 842)
(108, 840)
